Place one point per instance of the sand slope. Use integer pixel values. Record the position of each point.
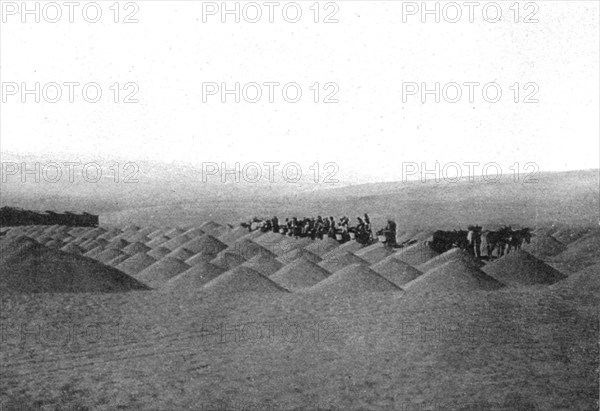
(242, 279)
(521, 268)
(300, 274)
(29, 267)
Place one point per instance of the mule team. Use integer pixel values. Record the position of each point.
(502, 240)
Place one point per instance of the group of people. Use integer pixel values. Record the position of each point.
(319, 227)
(342, 230)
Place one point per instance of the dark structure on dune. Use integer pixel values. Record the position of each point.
(10, 216)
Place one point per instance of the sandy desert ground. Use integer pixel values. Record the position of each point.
(209, 316)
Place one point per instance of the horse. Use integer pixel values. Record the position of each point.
(498, 239)
(517, 238)
(445, 240)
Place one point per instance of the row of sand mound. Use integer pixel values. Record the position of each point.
(30, 267)
(178, 250)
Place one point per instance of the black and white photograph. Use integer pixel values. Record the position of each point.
(305, 205)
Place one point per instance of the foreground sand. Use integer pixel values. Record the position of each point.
(520, 349)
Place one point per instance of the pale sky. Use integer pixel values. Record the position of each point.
(368, 54)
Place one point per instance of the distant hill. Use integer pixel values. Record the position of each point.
(171, 194)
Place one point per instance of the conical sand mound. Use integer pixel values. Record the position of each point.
(349, 247)
(174, 232)
(118, 244)
(158, 252)
(17, 246)
(297, 253)
(110, 254)
(290, 243)
(579, 254)
(177, 242)
(453, 276)
(416, 254)
(341, 260)
(584, 281)
(521, 268)
(249, 236)
(396, 271)
(299, 275)
(135, 248)
(72, 249)
(322, 247)
(157, 241)
(194, 232)
(93, 233)
(27, 267)
(131, 228)
(90, 245)
(136, 263)
(264, 264)
(205, 244)
(193, 278)
(249, 249)
(267, 239)
(94, 252)
(108, 235)
(118, 259)
(355, 278)
(161, 271)
(228, 259)
(199, 258)
(454, 254)
(181, 254)
(156, 233)
(423, 235)
(54, 244)
(569, 235)
(233, 235)
(243, 279)
(544, 246)
(214, 229)
(374, 253)
(408, 236)
(138, 237)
